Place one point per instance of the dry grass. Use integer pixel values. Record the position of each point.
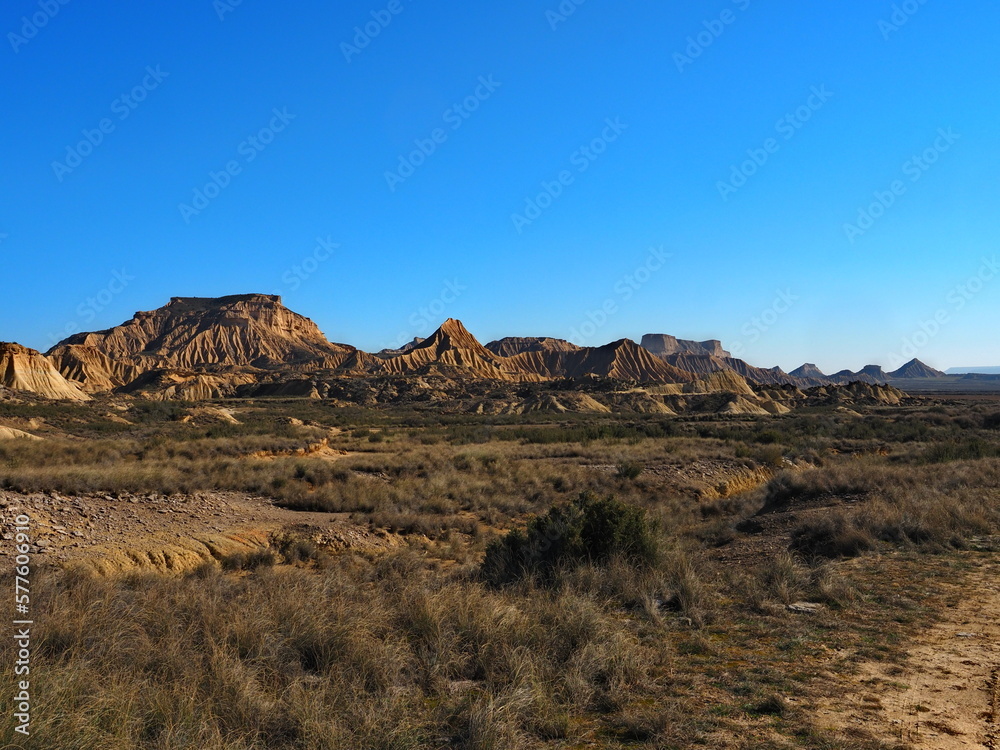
(292, 648)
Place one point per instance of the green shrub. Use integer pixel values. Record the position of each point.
(628, 470)
(832, 536)
(249, 560)
(589, 529)
(973, 450)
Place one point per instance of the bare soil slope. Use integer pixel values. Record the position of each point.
(24, 369)
(947, 694)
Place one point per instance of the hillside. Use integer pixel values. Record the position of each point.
(663, 345)
(24, 369)
(194, 332)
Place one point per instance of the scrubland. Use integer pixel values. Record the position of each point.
(562, 581)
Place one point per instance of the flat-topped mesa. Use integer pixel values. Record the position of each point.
(24, 369)
(875, 372)
(664, 345)
(198, 332)
(206, 303)
(808, 370)
(513, 345)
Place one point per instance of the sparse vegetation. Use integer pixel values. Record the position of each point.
(587, 530)
(554, 581)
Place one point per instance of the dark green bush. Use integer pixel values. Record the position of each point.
(970, 450)
(831, 536)
(589, 529)
(628, 469)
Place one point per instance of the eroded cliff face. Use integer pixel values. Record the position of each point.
(251, 345)
(24, 369)
(514, 345)
(453, 350)
(664, 345)
(622, 360)
(249, 330)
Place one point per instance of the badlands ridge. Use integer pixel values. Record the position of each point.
(252, 346)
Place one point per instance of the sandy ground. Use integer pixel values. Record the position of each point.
(116, 533)
(946, 695)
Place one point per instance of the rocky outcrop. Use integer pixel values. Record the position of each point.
(186, 385)
(915, 369)
(385, 353)
(198, 333)
(90, 367)
(24, 369)
(703, 364)
(663, 345)
(808, 371)
(857, 393)
(10, 433)
(874, 372)
(453, 350)
(621, 360)
(724, 380)
(514, 345)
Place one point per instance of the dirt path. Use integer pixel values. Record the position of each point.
(947, 694)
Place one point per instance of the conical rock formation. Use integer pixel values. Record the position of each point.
(24, 369)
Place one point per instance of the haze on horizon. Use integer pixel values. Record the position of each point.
(804, 184)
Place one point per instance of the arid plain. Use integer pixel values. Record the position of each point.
(244, 536)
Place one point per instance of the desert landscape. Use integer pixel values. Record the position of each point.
(536, 375)
(245, 536)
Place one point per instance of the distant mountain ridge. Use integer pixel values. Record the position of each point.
(973, 371)
(220, 337)
(663, 345)
(200, 332)
(199, 346)
(873, 374)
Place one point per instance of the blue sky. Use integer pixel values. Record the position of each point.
(460, 163)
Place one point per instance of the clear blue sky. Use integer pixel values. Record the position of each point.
(734, 260)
